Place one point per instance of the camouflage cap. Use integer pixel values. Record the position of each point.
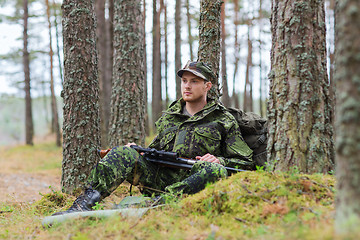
(199, 69)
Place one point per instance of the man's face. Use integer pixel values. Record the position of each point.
(194, 88)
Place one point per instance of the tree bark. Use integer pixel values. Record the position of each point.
(52, 88)
(347, 78)
(127, 101)
(209, 40)
(225, 90)
(29, 127)
(156, 83)
(300, 131)
(81, 128)
(178, 46)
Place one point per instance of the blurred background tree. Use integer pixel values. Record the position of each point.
(171, 38)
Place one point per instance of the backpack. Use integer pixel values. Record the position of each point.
(254, 131)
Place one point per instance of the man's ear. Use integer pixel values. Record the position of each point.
(208, 85)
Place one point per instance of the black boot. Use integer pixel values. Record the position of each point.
(84, 202)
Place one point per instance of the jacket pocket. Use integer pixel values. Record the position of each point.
(207, 139)
(208, 133)
(167, 139)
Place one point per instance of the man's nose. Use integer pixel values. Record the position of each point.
(187, 85)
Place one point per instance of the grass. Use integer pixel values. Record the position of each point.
(249, 205)
(45, 157)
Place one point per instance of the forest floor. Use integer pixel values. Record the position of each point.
(21, 177)
(28, 173)
(249, 205)
(26, 187)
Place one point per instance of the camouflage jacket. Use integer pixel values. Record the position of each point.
(212, 130)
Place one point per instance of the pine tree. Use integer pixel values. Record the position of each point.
(156, 103)
(127, 101)
(347, 78)
(300, 130)
(81, 128)
(104, 79)
(29, 126)
(225, 90)
(54, 110)
(178, 45)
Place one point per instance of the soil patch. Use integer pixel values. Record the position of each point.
(26, 187)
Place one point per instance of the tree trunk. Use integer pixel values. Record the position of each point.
(300, 131)
(209, 39)
(156, 84)
(101, 36)
(235, 98)
(55, 9)
(109, 59)
(261, 101)
(147, 121)
(190, 37)
(164, 8)
(225, 90)
(29, 127)
(178, 46)
(331, 53)
(127, 101)
(347, 76)
(45, 98)
(248, 99)
(81, 128)
(52, 89)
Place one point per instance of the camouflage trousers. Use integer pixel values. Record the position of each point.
(124, 163)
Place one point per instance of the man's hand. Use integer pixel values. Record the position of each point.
(130, 144)
(208, 158)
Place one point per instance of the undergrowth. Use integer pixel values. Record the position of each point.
(247, 205)
(251, 205)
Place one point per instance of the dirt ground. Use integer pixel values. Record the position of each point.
(19, 185)
(26, 187)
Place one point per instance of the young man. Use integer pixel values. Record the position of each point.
(195, 127)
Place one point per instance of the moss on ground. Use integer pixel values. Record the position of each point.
(251, 205)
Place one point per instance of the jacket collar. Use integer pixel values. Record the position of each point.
(177, 106)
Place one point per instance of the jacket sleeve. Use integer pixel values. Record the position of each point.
(155, 143)
(237, 153)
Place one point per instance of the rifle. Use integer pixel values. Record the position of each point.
(167, 159)
(171, 159)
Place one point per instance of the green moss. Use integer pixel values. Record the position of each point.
(51, 202)
(256, 197)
